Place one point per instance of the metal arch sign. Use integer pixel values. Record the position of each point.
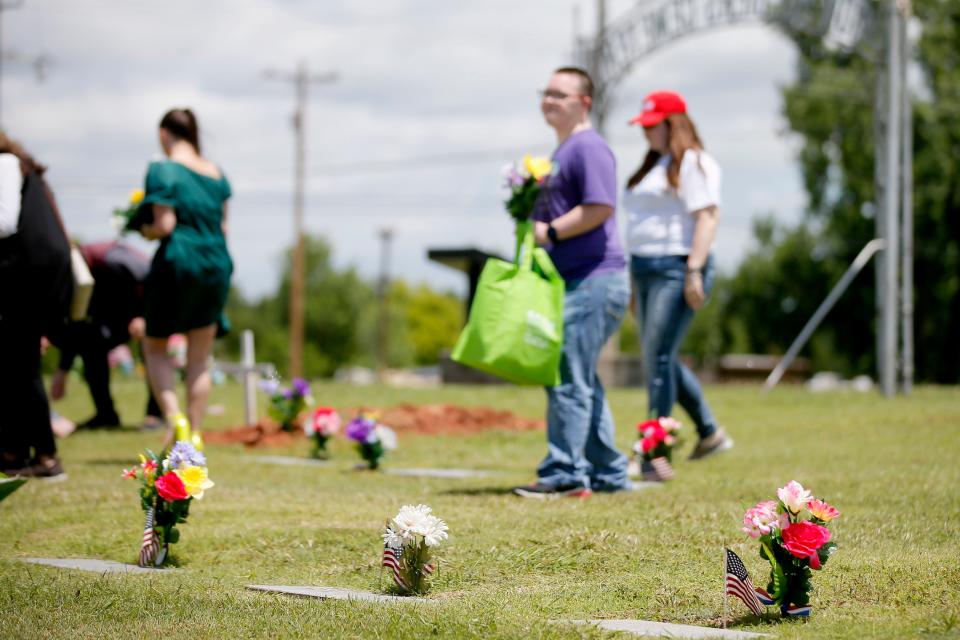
(651, 25)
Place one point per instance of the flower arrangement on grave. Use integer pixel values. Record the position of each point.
(408, 544)
(524, 180)
(373, 439)
(794, 537)
(287, 403)
(168, 484)
(130, 217)
(321, 426)
(656, 439)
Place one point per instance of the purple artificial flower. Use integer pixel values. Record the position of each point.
(359, 429)
(269, 387)
(287, 393)
(185, 454)
(302, 386)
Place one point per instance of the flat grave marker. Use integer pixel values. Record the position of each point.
(93, 565)
(334, 593)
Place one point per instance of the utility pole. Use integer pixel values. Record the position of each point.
(383, 294)
(906, 188)
(888, 176)
(601, 88)
(301, 79)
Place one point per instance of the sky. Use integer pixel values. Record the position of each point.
(432, 99)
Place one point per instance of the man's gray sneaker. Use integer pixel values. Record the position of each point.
(714, 443)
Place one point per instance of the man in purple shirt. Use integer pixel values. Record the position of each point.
(575, 221)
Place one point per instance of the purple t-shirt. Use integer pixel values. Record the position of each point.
(586, 174)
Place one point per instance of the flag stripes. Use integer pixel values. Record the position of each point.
(150, 542)
(798, 612)
(391, 560)
(738, 583)
(764, 597)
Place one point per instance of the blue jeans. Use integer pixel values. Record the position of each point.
(580, 432)
(664, 317)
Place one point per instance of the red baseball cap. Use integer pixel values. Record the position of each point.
(657, 106)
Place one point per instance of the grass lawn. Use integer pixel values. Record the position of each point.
(511, 565)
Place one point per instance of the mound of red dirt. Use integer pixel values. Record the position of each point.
(404, 418)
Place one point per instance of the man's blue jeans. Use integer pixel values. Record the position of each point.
(664, 317)
(580, 432)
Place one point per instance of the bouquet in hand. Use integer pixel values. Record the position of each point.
(133, 216)
(654, 447)
(167, 487)
(286, 403)
(408, 543)
(524, 180)
(321, 426)
(373, 439)
(794, 536)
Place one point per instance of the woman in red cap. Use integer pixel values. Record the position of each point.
(672, 204)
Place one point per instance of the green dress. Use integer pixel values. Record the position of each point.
(189, 277)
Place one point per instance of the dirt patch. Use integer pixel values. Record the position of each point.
(404, 418)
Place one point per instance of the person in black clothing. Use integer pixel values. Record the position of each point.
(114, 316)
(35, 292)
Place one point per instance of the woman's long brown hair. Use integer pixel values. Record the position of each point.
(682, 136)
(27, 163)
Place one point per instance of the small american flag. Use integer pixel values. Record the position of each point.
(150, 543)
(391, 560)
(738, 583)
(657, 470)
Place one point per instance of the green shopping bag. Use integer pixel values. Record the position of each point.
(515, 329)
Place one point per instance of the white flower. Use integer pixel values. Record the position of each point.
(387, 436)
(412, 519)
(434, 531)
(393, 539)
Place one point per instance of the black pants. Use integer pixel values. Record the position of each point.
(97, 343)
(24, 411)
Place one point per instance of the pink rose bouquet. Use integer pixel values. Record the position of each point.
(321, 426)
(656, 439)
(794, 538)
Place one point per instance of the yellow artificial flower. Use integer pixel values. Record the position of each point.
(538, 167)
(194, 480)
(136, 196)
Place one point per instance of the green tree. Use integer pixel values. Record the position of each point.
(334, 302)
(341, 319)
(829, 107)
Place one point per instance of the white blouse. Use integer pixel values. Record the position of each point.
(11, 183)
(659, 220)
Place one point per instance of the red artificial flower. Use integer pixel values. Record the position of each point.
(149, 465)
(130, 474)
(803, 539)
(170, 487)
(647, 424)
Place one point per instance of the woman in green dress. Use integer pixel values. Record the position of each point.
(189, 279)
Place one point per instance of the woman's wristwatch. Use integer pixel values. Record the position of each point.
(691, 270)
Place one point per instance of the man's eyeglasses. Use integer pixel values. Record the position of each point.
(553, 94)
